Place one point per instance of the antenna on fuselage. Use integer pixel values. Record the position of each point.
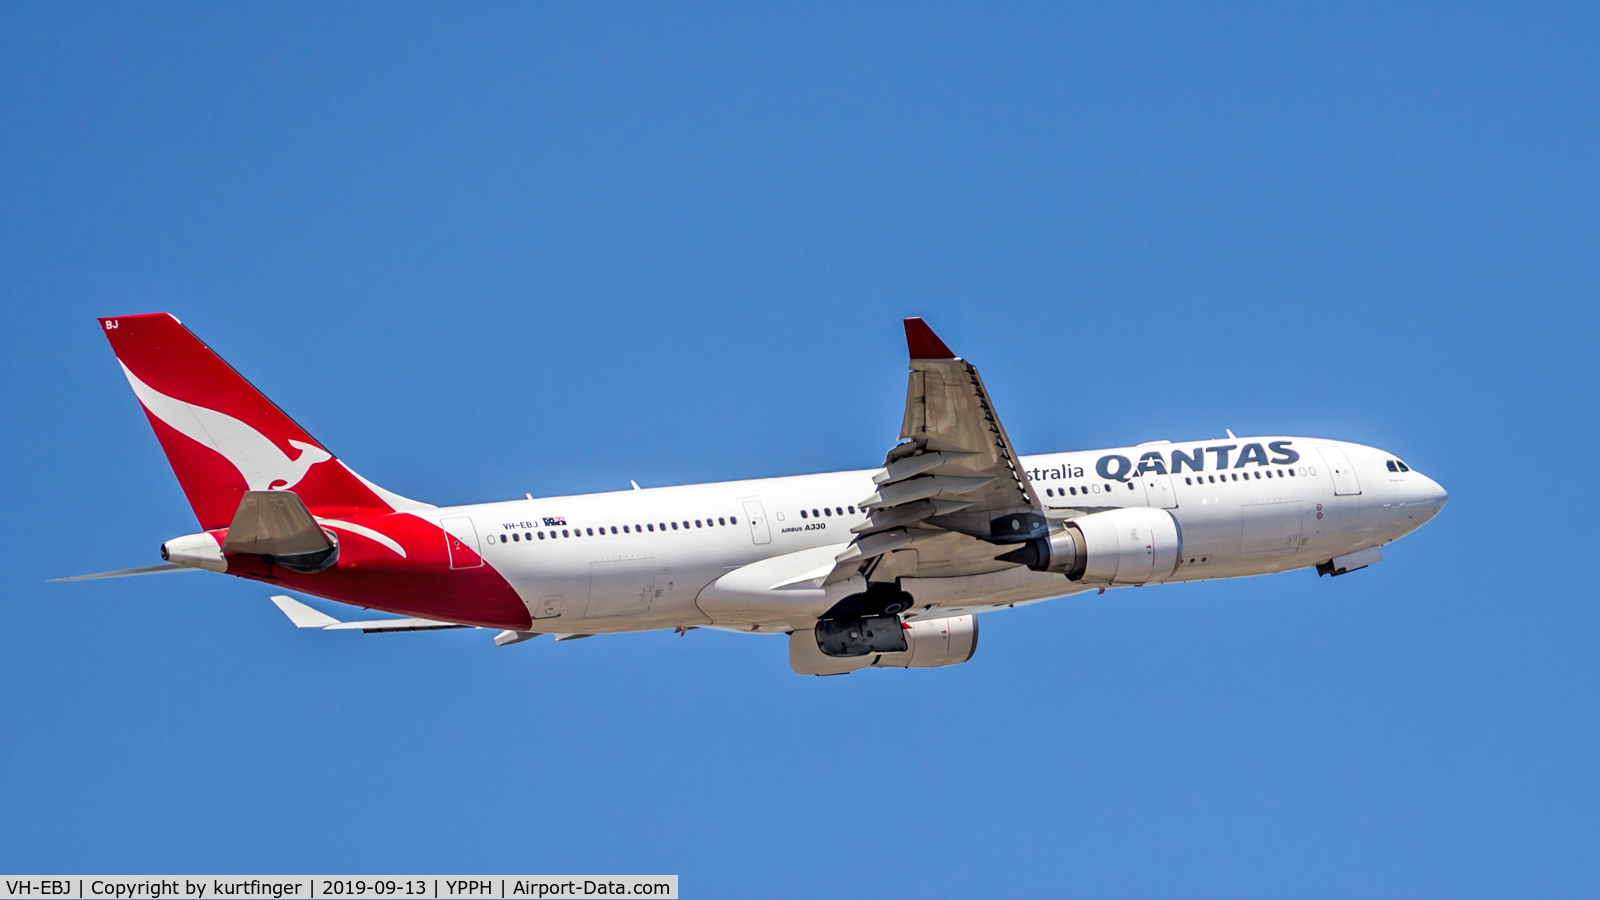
(635, 484)
(1231, 435)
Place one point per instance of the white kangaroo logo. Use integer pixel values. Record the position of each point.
(262, 464)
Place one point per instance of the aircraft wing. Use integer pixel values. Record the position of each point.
(952, 494)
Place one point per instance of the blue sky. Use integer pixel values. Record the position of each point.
(481, 251)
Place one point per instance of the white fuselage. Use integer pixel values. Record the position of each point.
(749, 555)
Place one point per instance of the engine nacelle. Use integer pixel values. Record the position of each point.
(199, 551)
(929, 643)
(1138, 545)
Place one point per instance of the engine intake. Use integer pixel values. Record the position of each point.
(928, 643)
(860, 637)
(1138, 545)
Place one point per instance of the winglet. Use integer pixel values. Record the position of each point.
(923, 343)
(302, 615)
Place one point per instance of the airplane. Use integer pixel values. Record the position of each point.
(874, 568)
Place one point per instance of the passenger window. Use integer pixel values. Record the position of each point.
(1212, 478)
(827, 511)
(685, 524)
(591, 532)
(651, 527)
(674, 526)
(515, 536)
(1130, 485)
(813, 512)
(663, 526)
(1258, 476)
(721, 521)
(1073, 490)
(1269, 473)
(1291, 471)
(697, 523)
(624, 529)
(1186, 480)
(733, 520)
(802, 514)
(563, 532)
(852, 510)
(541, 535)
(1049, 493)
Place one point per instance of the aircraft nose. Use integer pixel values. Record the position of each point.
(1431, 493)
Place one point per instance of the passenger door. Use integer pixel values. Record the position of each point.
(1344, 474)
(462, 539)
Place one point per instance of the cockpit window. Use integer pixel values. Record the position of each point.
(1392, 466)
(1403, 466)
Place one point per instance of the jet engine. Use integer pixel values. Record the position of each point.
(928, 643)
(1138, 545)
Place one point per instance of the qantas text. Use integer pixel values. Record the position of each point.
(1222, 456)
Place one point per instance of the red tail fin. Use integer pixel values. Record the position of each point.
(222, 436)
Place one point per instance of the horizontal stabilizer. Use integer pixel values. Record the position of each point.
(274, 523)
(381, 626)
(124, 573)
(304, 616)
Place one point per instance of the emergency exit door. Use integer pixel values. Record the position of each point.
(757, 517)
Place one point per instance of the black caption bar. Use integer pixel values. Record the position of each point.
(332, 887)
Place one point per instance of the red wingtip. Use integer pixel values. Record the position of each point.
(923, 343)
